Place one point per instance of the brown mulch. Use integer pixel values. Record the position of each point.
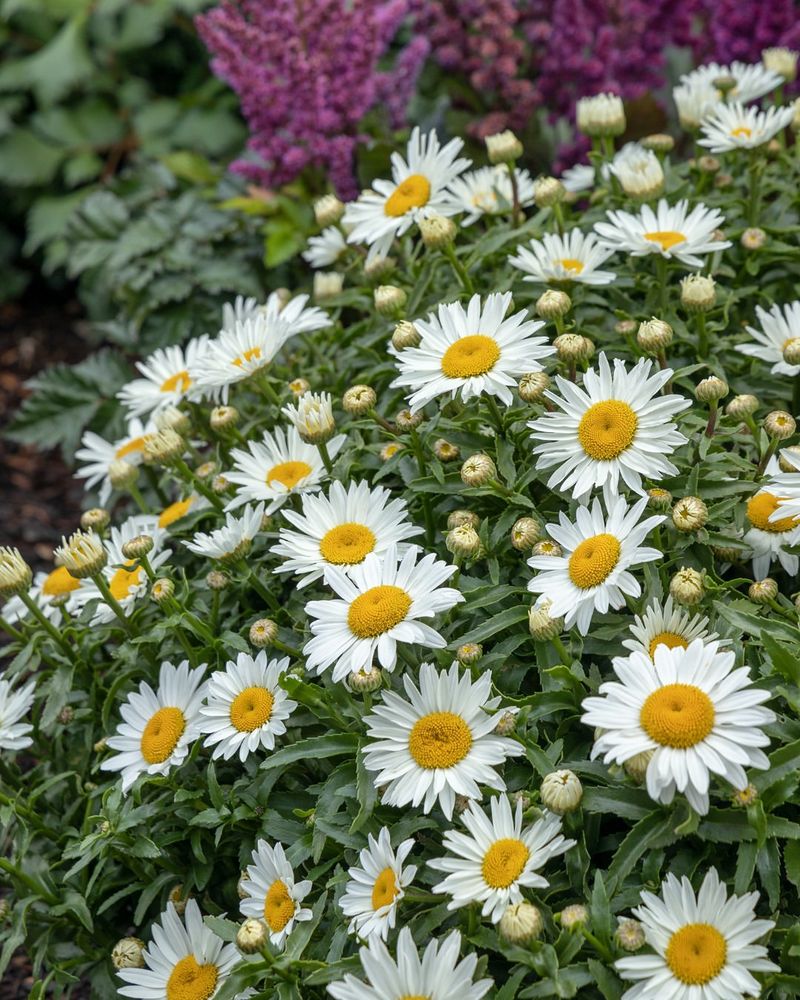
(39, 499)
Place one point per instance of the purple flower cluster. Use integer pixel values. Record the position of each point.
(306, 72)
(725, 30)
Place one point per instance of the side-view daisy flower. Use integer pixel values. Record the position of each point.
(733, 126)
(341, 529)
(616, 426)
(376, 885)
(176, 511)
(694, 101)
(497, 858)
(667, 625)
(185, 960)
(691, 708)
(704, 945)
(55, 593)
(671, 231)
(272, 893)
(418, 188)
(166, 380)
(233, 539)
(97, 455)
(578, 178)
(487, 191)
(15, 703)
(438, 742)
(378, 604)
(326, 248)
(438, 975)
(246, 706)
(471, 352)
(238, 352)
(639, 171)
(751, 80)
(575, 256)
(779, 326)
(159, 726)
(598, 551)
(769, 537)
(295, 316)
(280, 464)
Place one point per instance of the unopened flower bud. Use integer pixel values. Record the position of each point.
(101, 745)
(547, 547)
(95, 519)
(327, 285)
(457, 518)
(654, 335)
(542, 626)
(461, 804)
(625, 326)
(698, 293)
(561, 792)
(791, 351)
(572, 347)
(405, 335)
(789, 459)
(520, 923)
(178, 899)
(503, 147)
(83, 555)
(163, 447)
(469, 653)
(463, 541)
(223, 417)
(506, 722)
(263, 633)
(358, 400)
(636, 767)
(15, 573)
(128, 953)
(205, 469)
(390, 450)
(299, 387)
(525, 532)
(726, 553)
(389, 299)
(742, 406)
(763, 591)
(477, 470)
(779, 424)
(574, 917)
(724, 82)
(328, 210)
(138, 546)
(122, 474)
(408, 421)
(659, 499)
(379, 267)
(553, 303)
(782, 61)
(711, 389)
(753, 238)
(689, 514)
(687, 586)
(66, 715)
(173, 419)
(216, 579)
(220, 485)
(312, 416)
(548, 191)
(744, 797)
(708, 164)
(629, 934)
(601, 115)
(533, 386)
(445, 451)
(659, 142)
(162, 590)
(365, 681)
(240, 890)
(251, 936)
(723, 180)
(437, 231)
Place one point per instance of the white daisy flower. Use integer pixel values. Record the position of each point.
(246, 706)
(671, 230)
(378, 604)
(272, 893)
(241, 350)
(752, 80)
(705, 945)
(374, 889)
(418, 189)
(578, 178)
(325, 249)
(276, 467)
(639, 171)
(575, 256)
(184, 961)
(55, 593)
(295, 315)
(438, 742)
(180, 509)
(690, 707)
(616, 426)
(694, 101)
(471, 352)
(341, 530)
(666, 625)
(779, 325)
(233, 539)
(159, 726)
(487, 191)
(439, 975)
(126, 579)
(166, 379)
(733, 126)
(497, 858)
(97, 454)
(15, 703)
(769, 536)
(598, 550)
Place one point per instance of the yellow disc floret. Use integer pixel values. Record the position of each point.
(607, 429)
(251, 709)
(278, 906)
(413, 192)
(678, 716)
(504, 862)
(593, 560)
(666, 239)
(696, 954)
(179, 382)
(377, 610)
(347, 544)
(385, 889)
(289, 474)
(59, 582)
(191, 981)
(124, 580)
(175, 511)
(161, 734)
(469, 356)
(672, 640)
(761, 507)
(439, 739)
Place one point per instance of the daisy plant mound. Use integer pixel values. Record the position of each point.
(437, 639)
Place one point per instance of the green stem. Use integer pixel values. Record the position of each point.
(458, 267)
(9, 628)
(28, 880)
(198, 484)
(257, 585)
(427, 512)
(136, 493)
(771, 449)
(755, 192)
(558, 215)
(289, 650)
(661, 275)
(322, 448)
(47, 625)
(111, 601)
(494, 410)
(713, 409)
(516, 210)
(566, 659)
(605, 953)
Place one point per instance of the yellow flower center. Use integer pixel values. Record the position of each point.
(59, 582)
(385, 889)
(759, 509)
(571, 264)
(179, 382)
(742, 130)
(278, 906)
(468, 356)
(678, 716)
(666, 239)
(696, 954)
(392, 449)
(593, 560)
(248, 355)
(175, 511)
(135, 444)
(251, 709)
(124, 580)
(607, 429)
(289, 474)
(347, 544)
(504, 862)
(161, 734)
(439, 739)
(413, 192)
(377, 610)
(190, 981)
(669, 639)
